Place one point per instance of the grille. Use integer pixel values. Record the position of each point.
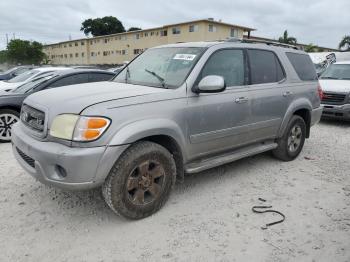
(30, 161)
(333, 98)
(33, 118)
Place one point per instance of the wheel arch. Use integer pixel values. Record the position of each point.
(301, 107)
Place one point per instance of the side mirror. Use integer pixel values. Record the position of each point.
(211, 84)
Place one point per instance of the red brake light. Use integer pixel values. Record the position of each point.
(320, 92)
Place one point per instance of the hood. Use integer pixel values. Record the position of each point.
(5, 85)
(75, 98)
(333, 85)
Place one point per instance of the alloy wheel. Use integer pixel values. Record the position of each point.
(294, 138)
(6, 122)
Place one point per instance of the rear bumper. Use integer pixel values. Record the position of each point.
(62, 166)
(316, 115)
(336, 111)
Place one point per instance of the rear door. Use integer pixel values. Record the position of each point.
(270, 94)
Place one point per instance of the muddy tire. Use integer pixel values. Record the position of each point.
(140, 181)
(8, 117)
(292, 141)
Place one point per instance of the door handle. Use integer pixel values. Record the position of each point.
(287, 93)
(241, 100)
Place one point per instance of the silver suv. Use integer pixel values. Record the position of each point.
(175, 109)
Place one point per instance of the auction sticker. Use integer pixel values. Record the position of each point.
(187, 57)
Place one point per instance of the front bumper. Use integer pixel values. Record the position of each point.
(336, 111)
(62, 166)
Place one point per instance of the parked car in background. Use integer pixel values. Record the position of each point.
(13, 72)
(175, 109)
(335, 83)
(11, 102)
(27, 76)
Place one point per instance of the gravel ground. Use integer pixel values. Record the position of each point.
(207, 218)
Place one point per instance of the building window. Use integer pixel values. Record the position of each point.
(212, 28)
(76, 54)
(137, 51)
(70, 45)
(65, 55)
(76, 44)
(176, 30)
(106, 40)
(146, 34)
(65, 46)
(91, 42)
(163, 33)
(152, 33)
(234, 32)
(137, 36)
(92, 54)
(193, 28)
(82, 54)
(82, 43)
(71, 55)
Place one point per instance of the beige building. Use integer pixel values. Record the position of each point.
(117, 48)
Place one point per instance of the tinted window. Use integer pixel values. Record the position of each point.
(303, 66)
(71, 80)
(264, 67)
(97, 77)
(226, 63)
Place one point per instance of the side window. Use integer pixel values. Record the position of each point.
(71, 80)
(264, 67)
(303, 65)
(97, 77)
(229, 64)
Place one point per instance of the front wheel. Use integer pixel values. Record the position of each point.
(140, 181)
(292, 141)
(8, 117)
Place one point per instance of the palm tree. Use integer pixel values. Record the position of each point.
(287, 39)
(345, 43)
(310, 48)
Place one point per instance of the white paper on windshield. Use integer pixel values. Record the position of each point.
(187, 57)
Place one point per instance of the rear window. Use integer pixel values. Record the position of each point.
(303, 65)
(264, 67)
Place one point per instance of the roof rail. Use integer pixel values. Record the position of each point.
(254, 41)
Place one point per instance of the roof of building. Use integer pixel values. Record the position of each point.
(157, 28)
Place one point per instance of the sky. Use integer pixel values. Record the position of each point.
(321, 22)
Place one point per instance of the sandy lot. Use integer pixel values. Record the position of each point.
(208, 217)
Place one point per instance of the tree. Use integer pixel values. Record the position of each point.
(311, 48)
(102, 26)
(3, 56)
(286, 39)
(24, 52)
(134, 29)
(345, 43)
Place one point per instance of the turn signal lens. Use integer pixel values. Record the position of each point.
(97, 123)
(90, 128)
(320, 92)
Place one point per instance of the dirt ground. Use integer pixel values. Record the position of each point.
(207, 218)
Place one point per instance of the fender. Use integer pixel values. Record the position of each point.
(149, 127)
(300, 103)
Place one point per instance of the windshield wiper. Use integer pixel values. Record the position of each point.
(161, 79)
(328, 77)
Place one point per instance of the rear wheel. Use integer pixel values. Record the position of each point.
(292, 141)
(8, 117)
(140, 181)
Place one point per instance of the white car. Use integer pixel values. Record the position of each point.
(335, 83)
(27, 76)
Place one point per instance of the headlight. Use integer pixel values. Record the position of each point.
(78, 128)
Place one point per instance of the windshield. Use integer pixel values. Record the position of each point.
(337, 71)
(33, 84)
(165, 67)
(23, 77)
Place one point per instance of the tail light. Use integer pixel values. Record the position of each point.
(320, 92)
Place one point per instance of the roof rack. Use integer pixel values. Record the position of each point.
(252, 41)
